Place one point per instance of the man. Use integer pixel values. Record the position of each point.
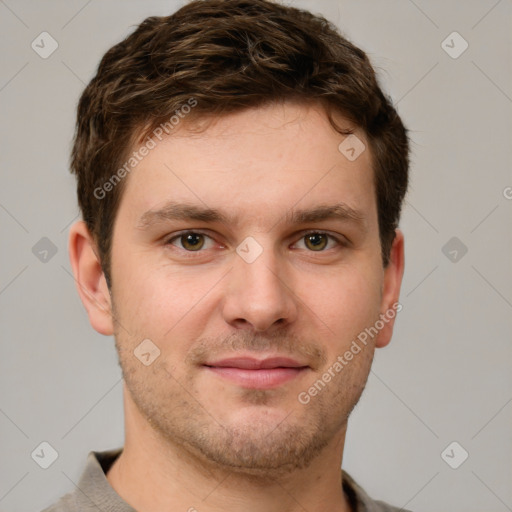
(240, 175)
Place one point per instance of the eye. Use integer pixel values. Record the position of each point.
(191, 241)
(318, 241)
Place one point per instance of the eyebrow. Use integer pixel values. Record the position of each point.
(191, 212)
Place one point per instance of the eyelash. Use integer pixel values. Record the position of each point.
(177, 236)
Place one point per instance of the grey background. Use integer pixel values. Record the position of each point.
(446, 375)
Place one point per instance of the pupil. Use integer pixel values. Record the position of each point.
(193, 241)
(316, 240)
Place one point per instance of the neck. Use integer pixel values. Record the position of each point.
(153, 474)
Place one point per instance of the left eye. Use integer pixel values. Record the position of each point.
(317, 241)
(190, 241)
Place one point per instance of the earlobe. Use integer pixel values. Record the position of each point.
(390, 305)
(90, 279)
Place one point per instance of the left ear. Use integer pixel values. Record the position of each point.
(391, 290)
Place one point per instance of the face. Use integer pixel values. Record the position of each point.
(249, 255)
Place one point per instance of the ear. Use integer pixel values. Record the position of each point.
(89, 278)
(391, 290)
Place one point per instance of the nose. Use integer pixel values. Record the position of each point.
(259, 294)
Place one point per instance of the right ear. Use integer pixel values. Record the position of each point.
(90, 279)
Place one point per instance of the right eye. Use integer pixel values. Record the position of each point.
(190, 241)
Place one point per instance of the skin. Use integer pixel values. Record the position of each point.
(194, 438)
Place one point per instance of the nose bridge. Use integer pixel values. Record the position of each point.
(259, 267)
(258, 294)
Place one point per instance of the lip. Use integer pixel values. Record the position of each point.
(251, 363)
(255, 373)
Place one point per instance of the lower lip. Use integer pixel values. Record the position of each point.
(257, 379)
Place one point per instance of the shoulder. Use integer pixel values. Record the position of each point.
(359, 499)
(66, 503)
(93, 493)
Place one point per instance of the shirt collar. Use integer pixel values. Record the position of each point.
(94, 488)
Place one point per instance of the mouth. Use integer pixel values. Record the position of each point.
(255, 373)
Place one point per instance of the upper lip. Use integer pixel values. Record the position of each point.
(251, 363)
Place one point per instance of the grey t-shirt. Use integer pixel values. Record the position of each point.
(95, 494)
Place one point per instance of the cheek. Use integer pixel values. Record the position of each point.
(161, 302)
(344, 303)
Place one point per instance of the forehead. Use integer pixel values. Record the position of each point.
(257, 163)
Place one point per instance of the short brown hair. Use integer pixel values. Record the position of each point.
(228, 55)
